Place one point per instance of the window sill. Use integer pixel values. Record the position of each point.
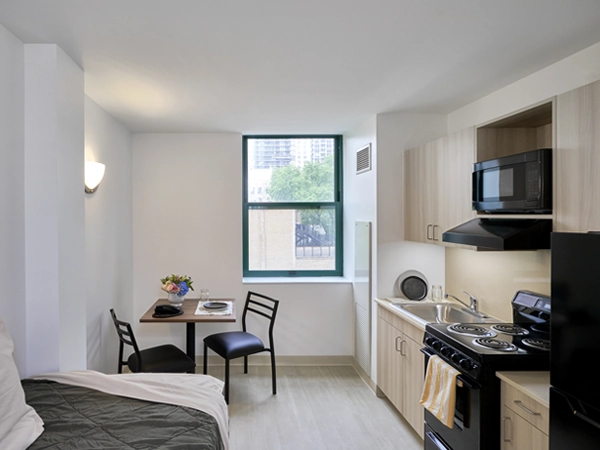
(296, 280)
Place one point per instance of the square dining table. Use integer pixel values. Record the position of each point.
(189, 318)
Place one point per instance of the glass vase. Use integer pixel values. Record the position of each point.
(175, 299)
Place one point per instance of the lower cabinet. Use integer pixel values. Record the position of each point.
(525, 421)
(401, 366)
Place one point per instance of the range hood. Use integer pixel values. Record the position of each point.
(502, 234)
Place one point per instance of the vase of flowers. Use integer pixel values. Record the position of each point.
(176, 286)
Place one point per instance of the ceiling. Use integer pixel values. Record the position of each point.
(309, 66)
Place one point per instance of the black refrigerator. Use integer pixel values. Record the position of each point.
(575, 342)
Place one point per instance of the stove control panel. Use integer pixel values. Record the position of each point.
(455, 358)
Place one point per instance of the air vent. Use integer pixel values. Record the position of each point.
(363, 159)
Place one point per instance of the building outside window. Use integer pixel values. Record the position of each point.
(294, 226)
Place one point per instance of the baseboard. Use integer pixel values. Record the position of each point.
(365, 377)
(265, 360)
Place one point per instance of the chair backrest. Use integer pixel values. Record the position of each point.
(126, 336)
(263, 306)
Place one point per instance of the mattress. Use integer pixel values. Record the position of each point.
(81, 418)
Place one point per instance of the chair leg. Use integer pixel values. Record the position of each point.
(205, 359)
(273, 372)
(246, 364)
(227, 381)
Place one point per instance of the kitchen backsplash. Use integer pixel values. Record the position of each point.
(494, 277)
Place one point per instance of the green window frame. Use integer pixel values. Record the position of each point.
(336, 206)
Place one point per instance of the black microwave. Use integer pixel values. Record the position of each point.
(520, 183)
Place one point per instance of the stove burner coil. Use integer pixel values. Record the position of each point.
(540, 344)
(496, 344)
(470, 330)
(511, 329)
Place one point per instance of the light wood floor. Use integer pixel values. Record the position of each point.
(316, 408)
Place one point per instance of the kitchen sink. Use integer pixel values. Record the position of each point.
(444, 313)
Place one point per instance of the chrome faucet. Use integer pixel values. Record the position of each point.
(472, 306)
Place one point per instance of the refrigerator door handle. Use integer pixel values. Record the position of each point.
(582, 416)
(586, 418)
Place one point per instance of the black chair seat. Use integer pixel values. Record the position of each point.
(233, 344)
(164, 358)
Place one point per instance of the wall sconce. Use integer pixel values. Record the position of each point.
(94, 172)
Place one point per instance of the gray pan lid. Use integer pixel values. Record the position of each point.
(412, 285)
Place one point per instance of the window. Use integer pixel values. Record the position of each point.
(294, 228)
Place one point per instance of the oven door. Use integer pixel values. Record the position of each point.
(464, 435)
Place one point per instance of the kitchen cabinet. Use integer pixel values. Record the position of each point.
(525, 421)
(401, 366)
(577, 160)
(437, 178)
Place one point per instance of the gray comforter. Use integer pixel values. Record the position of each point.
(80, 418)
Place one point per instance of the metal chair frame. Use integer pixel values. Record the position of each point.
(126, 336)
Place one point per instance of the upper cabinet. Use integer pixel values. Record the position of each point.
(437, 187)
(438, 174)
(577, 160)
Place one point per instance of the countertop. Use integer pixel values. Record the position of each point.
(411, 318)
(534, 384)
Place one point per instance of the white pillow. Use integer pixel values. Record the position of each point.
(19, 423)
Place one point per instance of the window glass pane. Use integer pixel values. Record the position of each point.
(291, 239)
(291, 170)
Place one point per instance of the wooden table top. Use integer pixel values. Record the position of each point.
(189, 308)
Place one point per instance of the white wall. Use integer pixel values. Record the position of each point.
(12, 237)
(377, 196)
(570, 73)
(54, 211)
(108, 237)
(187, 219)
(360, 191)
(397, 132)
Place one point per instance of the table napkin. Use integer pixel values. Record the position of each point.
(201, 311)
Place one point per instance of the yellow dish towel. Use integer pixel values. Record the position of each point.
(439, 390)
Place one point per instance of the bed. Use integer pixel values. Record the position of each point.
(90, 410)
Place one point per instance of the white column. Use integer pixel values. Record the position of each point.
(54, 211)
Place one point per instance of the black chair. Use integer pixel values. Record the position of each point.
(234, 344)
(163, 359)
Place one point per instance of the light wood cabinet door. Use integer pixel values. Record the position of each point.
(414, 372)
(438, 186)
(455, 179)
(577, 160)
(518, 434)
(401, 366)
(389, 362)
(420, 193)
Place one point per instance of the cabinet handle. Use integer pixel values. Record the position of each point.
(396, 345)
(520, 405)
(402, 347)
(429, 227)
(434, 227)
(504, 422)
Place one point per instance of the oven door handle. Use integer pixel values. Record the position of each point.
(434, 439)
(460, 378)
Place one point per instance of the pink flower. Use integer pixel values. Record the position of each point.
(170, 287)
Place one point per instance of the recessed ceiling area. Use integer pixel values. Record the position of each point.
(278, 66)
